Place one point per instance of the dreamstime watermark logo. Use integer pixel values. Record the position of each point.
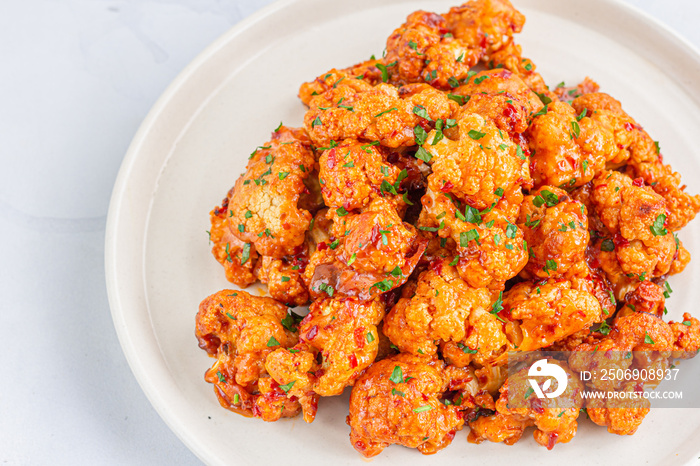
(542, 368)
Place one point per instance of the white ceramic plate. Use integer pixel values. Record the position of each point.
(196, 141)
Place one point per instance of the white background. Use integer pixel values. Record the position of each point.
(76, 79)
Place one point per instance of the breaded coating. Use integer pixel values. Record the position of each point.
(483, 167)
(510, 57)
(262, 206)
(647, 297)
(547, 311)
(237, 257)
(643, 157)
(240, 330)
(635, 217)
(378, 114)
(397, 401)
(622, 416)
(354, 173)
(331, 79)
(556, 230)
(497, 428)
(445, 309)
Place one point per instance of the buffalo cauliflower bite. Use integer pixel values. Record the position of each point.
(483, 167)
(419, 50)
(262, 206)
(397, 401)
(555, 418)
(510, 57)
(502, 97)
(556, 230)
(283, 279)
(643, 157)
(635, 216)
(237, 257)
(567, 151)
(240, 330)
(490, 248)
(497, 428)
(547, 311)
(622, 416)
(373, 252)
(444, 308)
(331, 80)
(488, 24)
(686, 337)
(378, 114)
(354, 173)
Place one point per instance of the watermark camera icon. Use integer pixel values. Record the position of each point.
(542, 368)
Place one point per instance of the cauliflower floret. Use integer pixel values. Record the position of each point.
(634, 146)
(354, 173)
(686, 337)
(283, 279)
(635, 216)
(497, 428)
(622, 416)
(237, 257)
(547, 311)
(240, 330)
(483, 167)
(263, 206)
(378, 114)
(491, 249)
(556, 230)
(397, 400)
(419, 51)
(567, 151)
(445, 309)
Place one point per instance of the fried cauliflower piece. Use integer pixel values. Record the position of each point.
(567, 151)
(262, 207)
(397, 401)
(555, 419)
(502, 97)
(497, 428)
(444, 309)
(344, 331)
(489, 24)
(330, 80)
(510, 57)
(237, 257)
(240, 330)
(647, 297)
(686, 337)
(556, 230)
(419, 50)
(622, 416)
(354, 173)
(635, 216)
(373, 252)
(378, 114)
(643, 157)
(547, 311)
(283, 280)
(489, 246)
(483, 167)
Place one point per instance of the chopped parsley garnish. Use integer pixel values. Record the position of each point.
(420, 135)
(658, 226)
(397, 375)
(288, 386)
(424, 155)
(647, 339)
(341, 211)
(607, 245)
(475, 135)
(421, 112)
(221, 377)
(466, 236)
(423, 408)
(245, 254)
(316, 122)
(272, 342)
(327, 289)
(385, 112)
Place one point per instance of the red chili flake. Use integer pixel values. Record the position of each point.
(436, 266)
(629, 126)
(360, 336)
(311, 334)
(620, 241)
(537, 406)
(353, 360)
(553, 436)
(638, 182)
(322, 245)
(447, 186)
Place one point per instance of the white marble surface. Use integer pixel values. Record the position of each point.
(77, 78)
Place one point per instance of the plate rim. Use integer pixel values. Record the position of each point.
(118, 198)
